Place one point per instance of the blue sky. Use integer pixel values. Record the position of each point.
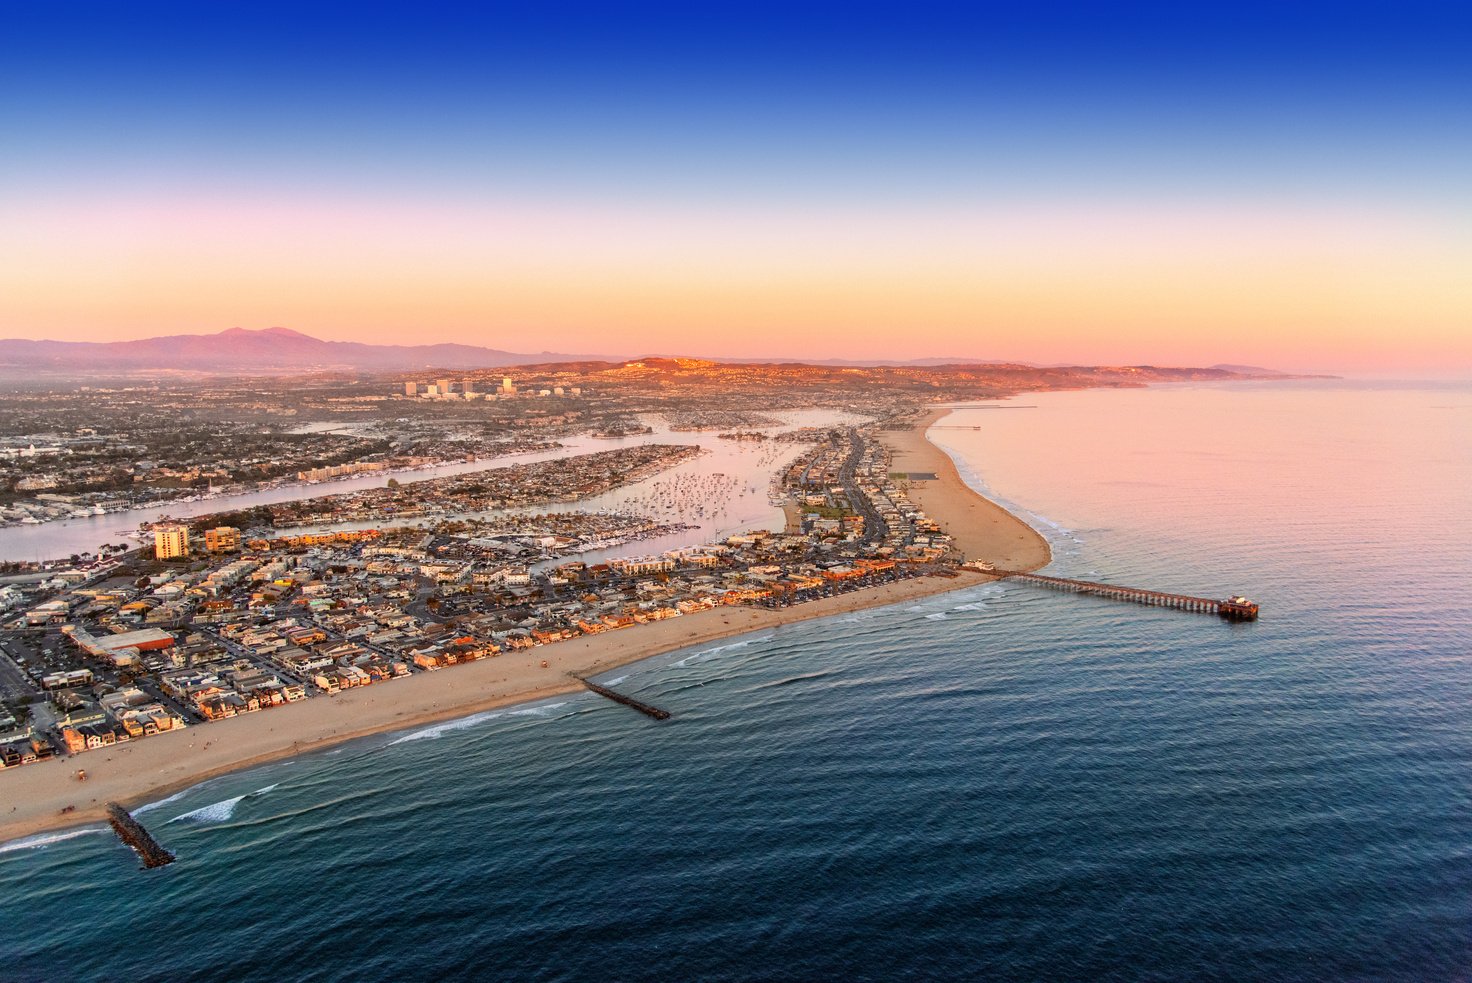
(1177, 94)
(719, 109)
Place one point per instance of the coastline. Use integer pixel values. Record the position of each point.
(164, 764)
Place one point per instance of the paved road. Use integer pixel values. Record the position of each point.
(874, 528)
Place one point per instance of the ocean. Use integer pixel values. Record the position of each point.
(997, 783)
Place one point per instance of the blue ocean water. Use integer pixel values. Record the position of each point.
(996, 783)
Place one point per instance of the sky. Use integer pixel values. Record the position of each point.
(1187, 184)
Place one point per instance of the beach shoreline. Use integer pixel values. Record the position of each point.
(147, 770)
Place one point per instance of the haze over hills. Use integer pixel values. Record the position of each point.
(269, 350)
(281, 350)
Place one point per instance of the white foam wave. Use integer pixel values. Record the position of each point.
(215, 812)
(968, 607)
(219, 812)
(46, 839)
(938, 616)
(449, 727)
(1057, 527)
(150, 806)
(462, 723)
(704, 654)
(543, 710)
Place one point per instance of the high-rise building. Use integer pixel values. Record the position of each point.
(170, 542)
(506, 386)
(432, 389)
(444, 385)
(467, 386)
(411, 389)
(222, 539)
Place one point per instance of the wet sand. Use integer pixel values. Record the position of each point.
(32, 796)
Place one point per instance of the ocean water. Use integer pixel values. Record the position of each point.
(997, 783)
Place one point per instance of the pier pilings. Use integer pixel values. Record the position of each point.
(1233, 609)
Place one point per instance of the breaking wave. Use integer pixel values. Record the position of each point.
(43, 840)
(463, 723)
(219, 812)
(704, 654)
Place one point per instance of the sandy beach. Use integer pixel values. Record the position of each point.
(32, 797)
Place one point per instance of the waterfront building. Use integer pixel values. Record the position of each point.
(171, 541)
(222, 539)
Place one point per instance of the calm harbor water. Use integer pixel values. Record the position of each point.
(995, 783)
(747, 462)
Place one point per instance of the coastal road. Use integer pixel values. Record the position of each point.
(874, 527)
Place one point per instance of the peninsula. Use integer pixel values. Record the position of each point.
(47, 795)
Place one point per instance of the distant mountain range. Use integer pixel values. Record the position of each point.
(271, 350)
(1251, 370)
(240, 351)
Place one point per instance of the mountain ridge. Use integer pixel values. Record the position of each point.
(280, 350)
(267, 350)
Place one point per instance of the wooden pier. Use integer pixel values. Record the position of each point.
(1233, 608)
(132, 833)
(628, 701)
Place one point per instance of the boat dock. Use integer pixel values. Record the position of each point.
(1233, 608)
(628, 701)
(132, 833)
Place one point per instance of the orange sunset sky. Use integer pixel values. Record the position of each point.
(859, 199)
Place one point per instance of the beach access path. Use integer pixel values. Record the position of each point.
(32, 797)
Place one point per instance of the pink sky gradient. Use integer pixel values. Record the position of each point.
(1308, 286)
